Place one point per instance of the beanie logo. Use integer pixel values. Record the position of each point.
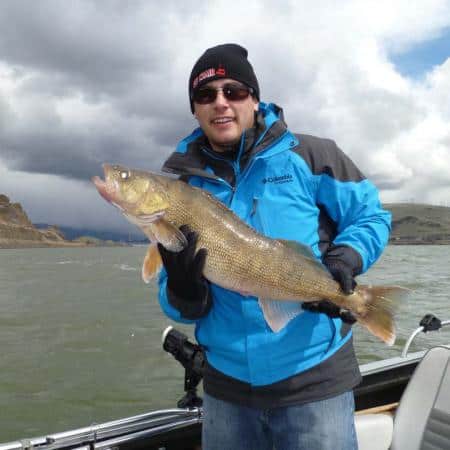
(208, 73)
(220, 71)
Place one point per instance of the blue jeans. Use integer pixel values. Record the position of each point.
(322, 425)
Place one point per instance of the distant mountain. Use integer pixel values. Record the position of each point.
(72, 233)
(411, 224)
(17, 231)
(419, 224)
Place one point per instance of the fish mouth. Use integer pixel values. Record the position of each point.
(105, 188)
(102, 188)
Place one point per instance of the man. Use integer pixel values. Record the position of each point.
(290, 389)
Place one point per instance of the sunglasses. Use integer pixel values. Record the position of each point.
(232, 92)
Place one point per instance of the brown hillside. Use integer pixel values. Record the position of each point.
(411, 224)
(419, 223)
(17, 231)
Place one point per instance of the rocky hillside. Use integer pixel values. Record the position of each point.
(419, 224)
(17, 231)
(411, 224)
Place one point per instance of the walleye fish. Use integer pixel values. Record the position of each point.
(281, 274)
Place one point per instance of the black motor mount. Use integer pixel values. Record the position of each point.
(191, 356)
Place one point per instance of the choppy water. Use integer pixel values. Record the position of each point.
(80, 333)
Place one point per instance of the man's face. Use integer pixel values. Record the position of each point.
(223, 121)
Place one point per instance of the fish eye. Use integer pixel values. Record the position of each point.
(124, 174)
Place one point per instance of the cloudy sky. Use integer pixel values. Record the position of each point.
(83, 82)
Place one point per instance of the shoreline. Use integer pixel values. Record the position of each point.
(73, 244)
(414, 242)
(67, 244)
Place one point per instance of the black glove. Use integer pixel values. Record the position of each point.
(344, 264)
(331, 310)
(187, 289)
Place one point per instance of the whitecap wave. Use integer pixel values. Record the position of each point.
(127, 268)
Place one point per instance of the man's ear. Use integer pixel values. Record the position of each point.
(256, 105)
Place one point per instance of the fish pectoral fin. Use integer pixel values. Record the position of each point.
(278, 313)
(152, 263)
(168, 235)
(156, 228)
(303, 250)
(143, 219)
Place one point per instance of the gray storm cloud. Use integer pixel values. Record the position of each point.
(99, 55)
(87, 82)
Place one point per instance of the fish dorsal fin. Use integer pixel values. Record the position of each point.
(278, 313)
(303, 250)
(152, 263)
(221, 206)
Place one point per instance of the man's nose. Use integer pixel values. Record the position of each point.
(221, 100)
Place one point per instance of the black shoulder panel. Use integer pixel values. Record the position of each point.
(179, 161)
(323, 156)
(187, 164)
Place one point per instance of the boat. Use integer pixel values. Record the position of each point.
(403, 403)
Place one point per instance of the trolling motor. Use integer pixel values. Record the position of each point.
(192, 358)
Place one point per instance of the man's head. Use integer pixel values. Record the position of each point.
(224, 94)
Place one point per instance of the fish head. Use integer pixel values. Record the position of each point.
(135, 192)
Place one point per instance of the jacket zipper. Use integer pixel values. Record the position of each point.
(257, 156)
(221, 180)
(236, 164)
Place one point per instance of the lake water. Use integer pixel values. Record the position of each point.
(80, 333)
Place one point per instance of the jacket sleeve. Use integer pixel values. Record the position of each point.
(353, 203)
(167, 308)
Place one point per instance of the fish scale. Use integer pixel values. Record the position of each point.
(279, 273)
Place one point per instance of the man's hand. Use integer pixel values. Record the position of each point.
(187, 289)
(344, 264)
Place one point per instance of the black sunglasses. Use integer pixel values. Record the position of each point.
(233, 92)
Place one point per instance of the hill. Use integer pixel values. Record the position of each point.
(132, 237)
(17, 231)
(419, 224)
(411, 224)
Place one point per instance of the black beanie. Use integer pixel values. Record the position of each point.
(223, 61)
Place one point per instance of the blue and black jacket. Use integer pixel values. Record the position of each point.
(288, 186)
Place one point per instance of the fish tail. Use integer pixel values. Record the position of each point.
(377, 313)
